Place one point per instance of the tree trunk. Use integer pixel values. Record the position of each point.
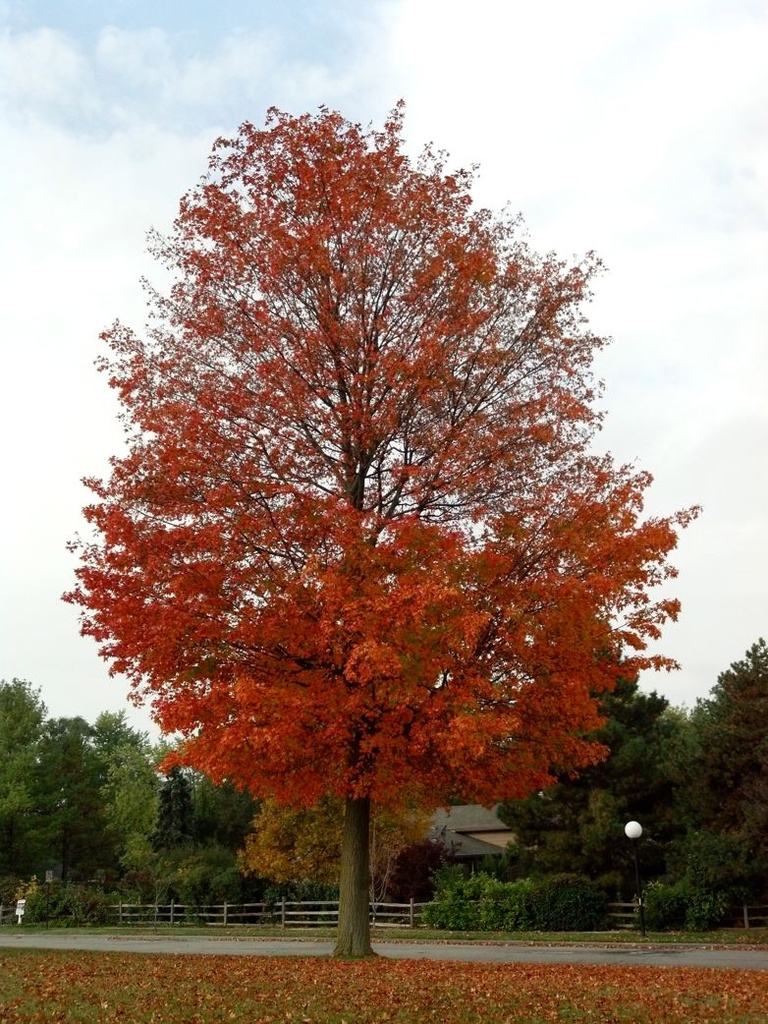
(353, 938)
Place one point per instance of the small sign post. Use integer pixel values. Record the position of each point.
(21, 906)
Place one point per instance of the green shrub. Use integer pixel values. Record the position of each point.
(456, 905)
(664, 906)
(495, 865)
(208, 876)
(194, 876)
(68, 905)
(563, 903)
(696, 908)
(483, 903)
(513, 905)
(705, 909)
(490, 903)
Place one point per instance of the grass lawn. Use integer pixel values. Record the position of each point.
(101, 988)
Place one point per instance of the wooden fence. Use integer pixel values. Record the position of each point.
(621, 915)
(624, 915)
(284, 914)
(749, 917)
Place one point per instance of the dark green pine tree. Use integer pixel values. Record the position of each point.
(223, 814)
(175, 819)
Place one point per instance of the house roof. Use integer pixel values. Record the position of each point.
(461, 828)
(468, 818)
(460, 846)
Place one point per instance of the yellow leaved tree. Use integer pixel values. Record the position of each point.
(289, 845)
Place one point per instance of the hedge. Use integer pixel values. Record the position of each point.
(480, 902)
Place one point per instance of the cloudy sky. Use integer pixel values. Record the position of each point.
(636, 129)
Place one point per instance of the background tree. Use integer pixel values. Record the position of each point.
(722, 772)
(111, 731)
(130, 792)
(392, 832)
(414, 871)
(221, 814)
(358, 546)
(68, 780)
(290, 845)
(175, 813)
(22, 716)
(183, 834)
(84, 800)
(578, 824)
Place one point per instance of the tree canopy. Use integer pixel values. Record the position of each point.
(723, 792)
(360, 544)
(22, 714)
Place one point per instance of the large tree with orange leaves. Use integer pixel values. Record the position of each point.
(359, 544)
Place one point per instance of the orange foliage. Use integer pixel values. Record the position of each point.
(359, 545)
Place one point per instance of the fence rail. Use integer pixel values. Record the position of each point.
(750, 917)
(305, 914)
(284, 914)
(622, 915)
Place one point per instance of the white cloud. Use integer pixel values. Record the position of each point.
(142, 59)
(598, 101)
(41, 70)
(176, 81)
(170, 73)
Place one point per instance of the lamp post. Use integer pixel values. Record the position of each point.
(633, 830)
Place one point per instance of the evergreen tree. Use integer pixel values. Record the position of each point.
(175, 819)
(723, 793)
(222, 813)
(578, 824)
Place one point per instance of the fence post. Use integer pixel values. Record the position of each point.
(282, 912)
(746, 915)
(225, 913)
(411, 915)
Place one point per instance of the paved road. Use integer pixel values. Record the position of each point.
(497, 952)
